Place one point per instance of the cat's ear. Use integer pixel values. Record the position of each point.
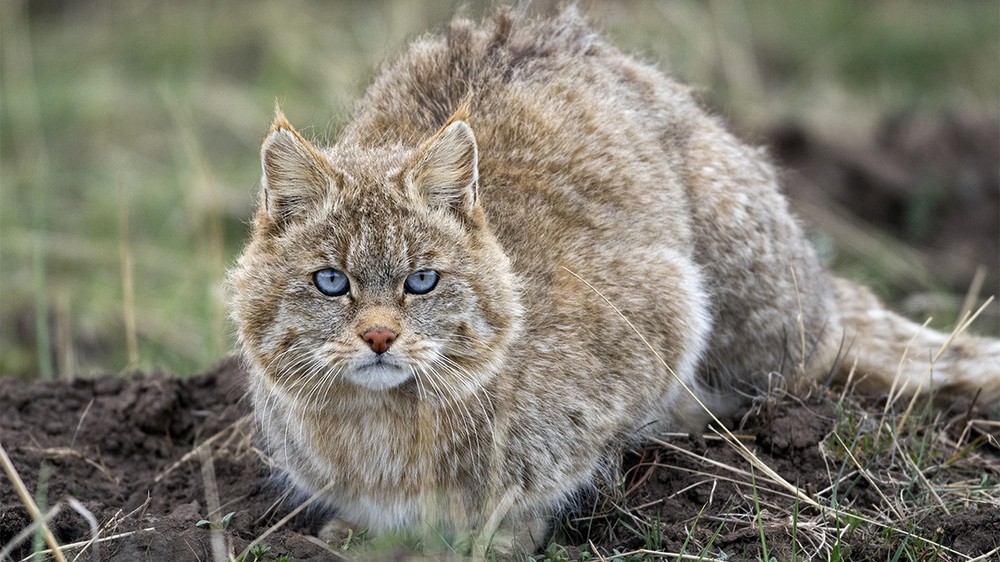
(296, 176)
(445, 170)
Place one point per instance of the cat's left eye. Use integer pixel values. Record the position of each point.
(421, 282)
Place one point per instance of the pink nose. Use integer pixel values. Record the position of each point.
(380, 339)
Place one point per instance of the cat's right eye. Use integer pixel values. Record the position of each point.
(331, 282)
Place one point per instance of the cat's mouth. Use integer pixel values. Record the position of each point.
(379, 373)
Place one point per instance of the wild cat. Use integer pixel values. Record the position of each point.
(426, 305)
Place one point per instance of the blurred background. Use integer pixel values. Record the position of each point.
(129, 135)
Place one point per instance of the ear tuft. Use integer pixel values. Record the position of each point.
(295, 177)
(280, 121)
(446, 168)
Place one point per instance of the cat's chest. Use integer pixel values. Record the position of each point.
(406, 448)
(387, 470)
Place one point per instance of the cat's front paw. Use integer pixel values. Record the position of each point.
(519, 537)
(341, 533)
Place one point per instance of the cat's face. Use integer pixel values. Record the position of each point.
(374, 270)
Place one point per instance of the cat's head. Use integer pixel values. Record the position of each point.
(373, 270)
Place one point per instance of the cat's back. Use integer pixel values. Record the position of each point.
(573, 134)
(595, 161)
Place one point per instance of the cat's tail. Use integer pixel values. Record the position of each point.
(889, 353)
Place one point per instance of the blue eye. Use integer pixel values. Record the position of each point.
(421, 282)
(331, 282)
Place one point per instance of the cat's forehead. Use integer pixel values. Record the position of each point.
(369, 193)
(372, 236)
(379, 236)
(371, 213)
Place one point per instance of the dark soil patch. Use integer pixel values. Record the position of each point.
(700, 496)
(124, 448)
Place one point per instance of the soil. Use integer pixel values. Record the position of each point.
(692, 489)
(127, 450)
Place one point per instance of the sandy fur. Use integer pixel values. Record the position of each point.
(509, 155)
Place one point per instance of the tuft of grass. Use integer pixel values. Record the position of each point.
(36, 507)
(758, 517)
(881, 502)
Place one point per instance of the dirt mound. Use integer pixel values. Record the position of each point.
(137, 453)
(126, 449)
(706, 498)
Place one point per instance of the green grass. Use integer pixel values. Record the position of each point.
(145, 117)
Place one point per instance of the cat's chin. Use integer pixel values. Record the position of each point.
(379, 376)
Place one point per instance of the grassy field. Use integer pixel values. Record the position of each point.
(129, 133)
(129, 136)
